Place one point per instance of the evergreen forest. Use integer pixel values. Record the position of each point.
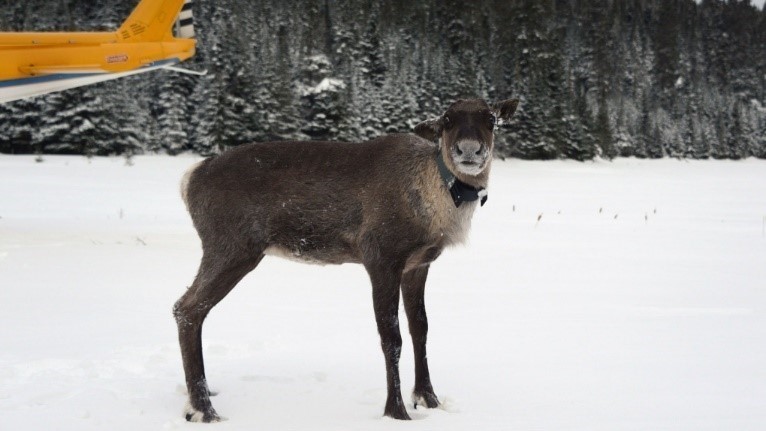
(596, 78)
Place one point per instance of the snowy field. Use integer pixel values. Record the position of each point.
(637, 301)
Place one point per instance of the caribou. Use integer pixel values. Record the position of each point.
(391, 204)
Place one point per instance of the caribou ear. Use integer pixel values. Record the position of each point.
(430, 129)
(506, 108)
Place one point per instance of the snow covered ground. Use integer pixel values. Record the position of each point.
(637, 301)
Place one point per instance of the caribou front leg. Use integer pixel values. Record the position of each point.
(413, 292)
(385, 298)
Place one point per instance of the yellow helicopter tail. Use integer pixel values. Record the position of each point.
(156, 20)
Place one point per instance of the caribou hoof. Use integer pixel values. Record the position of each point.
(207, 416)
(395, 409)
(425, 399)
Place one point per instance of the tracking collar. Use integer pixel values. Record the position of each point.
(460, 191)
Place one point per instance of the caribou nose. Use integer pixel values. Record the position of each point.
(469, 146)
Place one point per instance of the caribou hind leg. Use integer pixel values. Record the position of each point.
(217, 276)
(413, 290)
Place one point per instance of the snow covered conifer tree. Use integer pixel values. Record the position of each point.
(169, 109)
(18, 124)
(205, 130)
(132, 130)
(322, 99)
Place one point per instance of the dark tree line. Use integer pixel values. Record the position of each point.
(608, 78)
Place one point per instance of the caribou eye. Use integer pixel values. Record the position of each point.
(447, 122)
(493, 120)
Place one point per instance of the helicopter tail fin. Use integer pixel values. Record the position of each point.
(154, 20)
